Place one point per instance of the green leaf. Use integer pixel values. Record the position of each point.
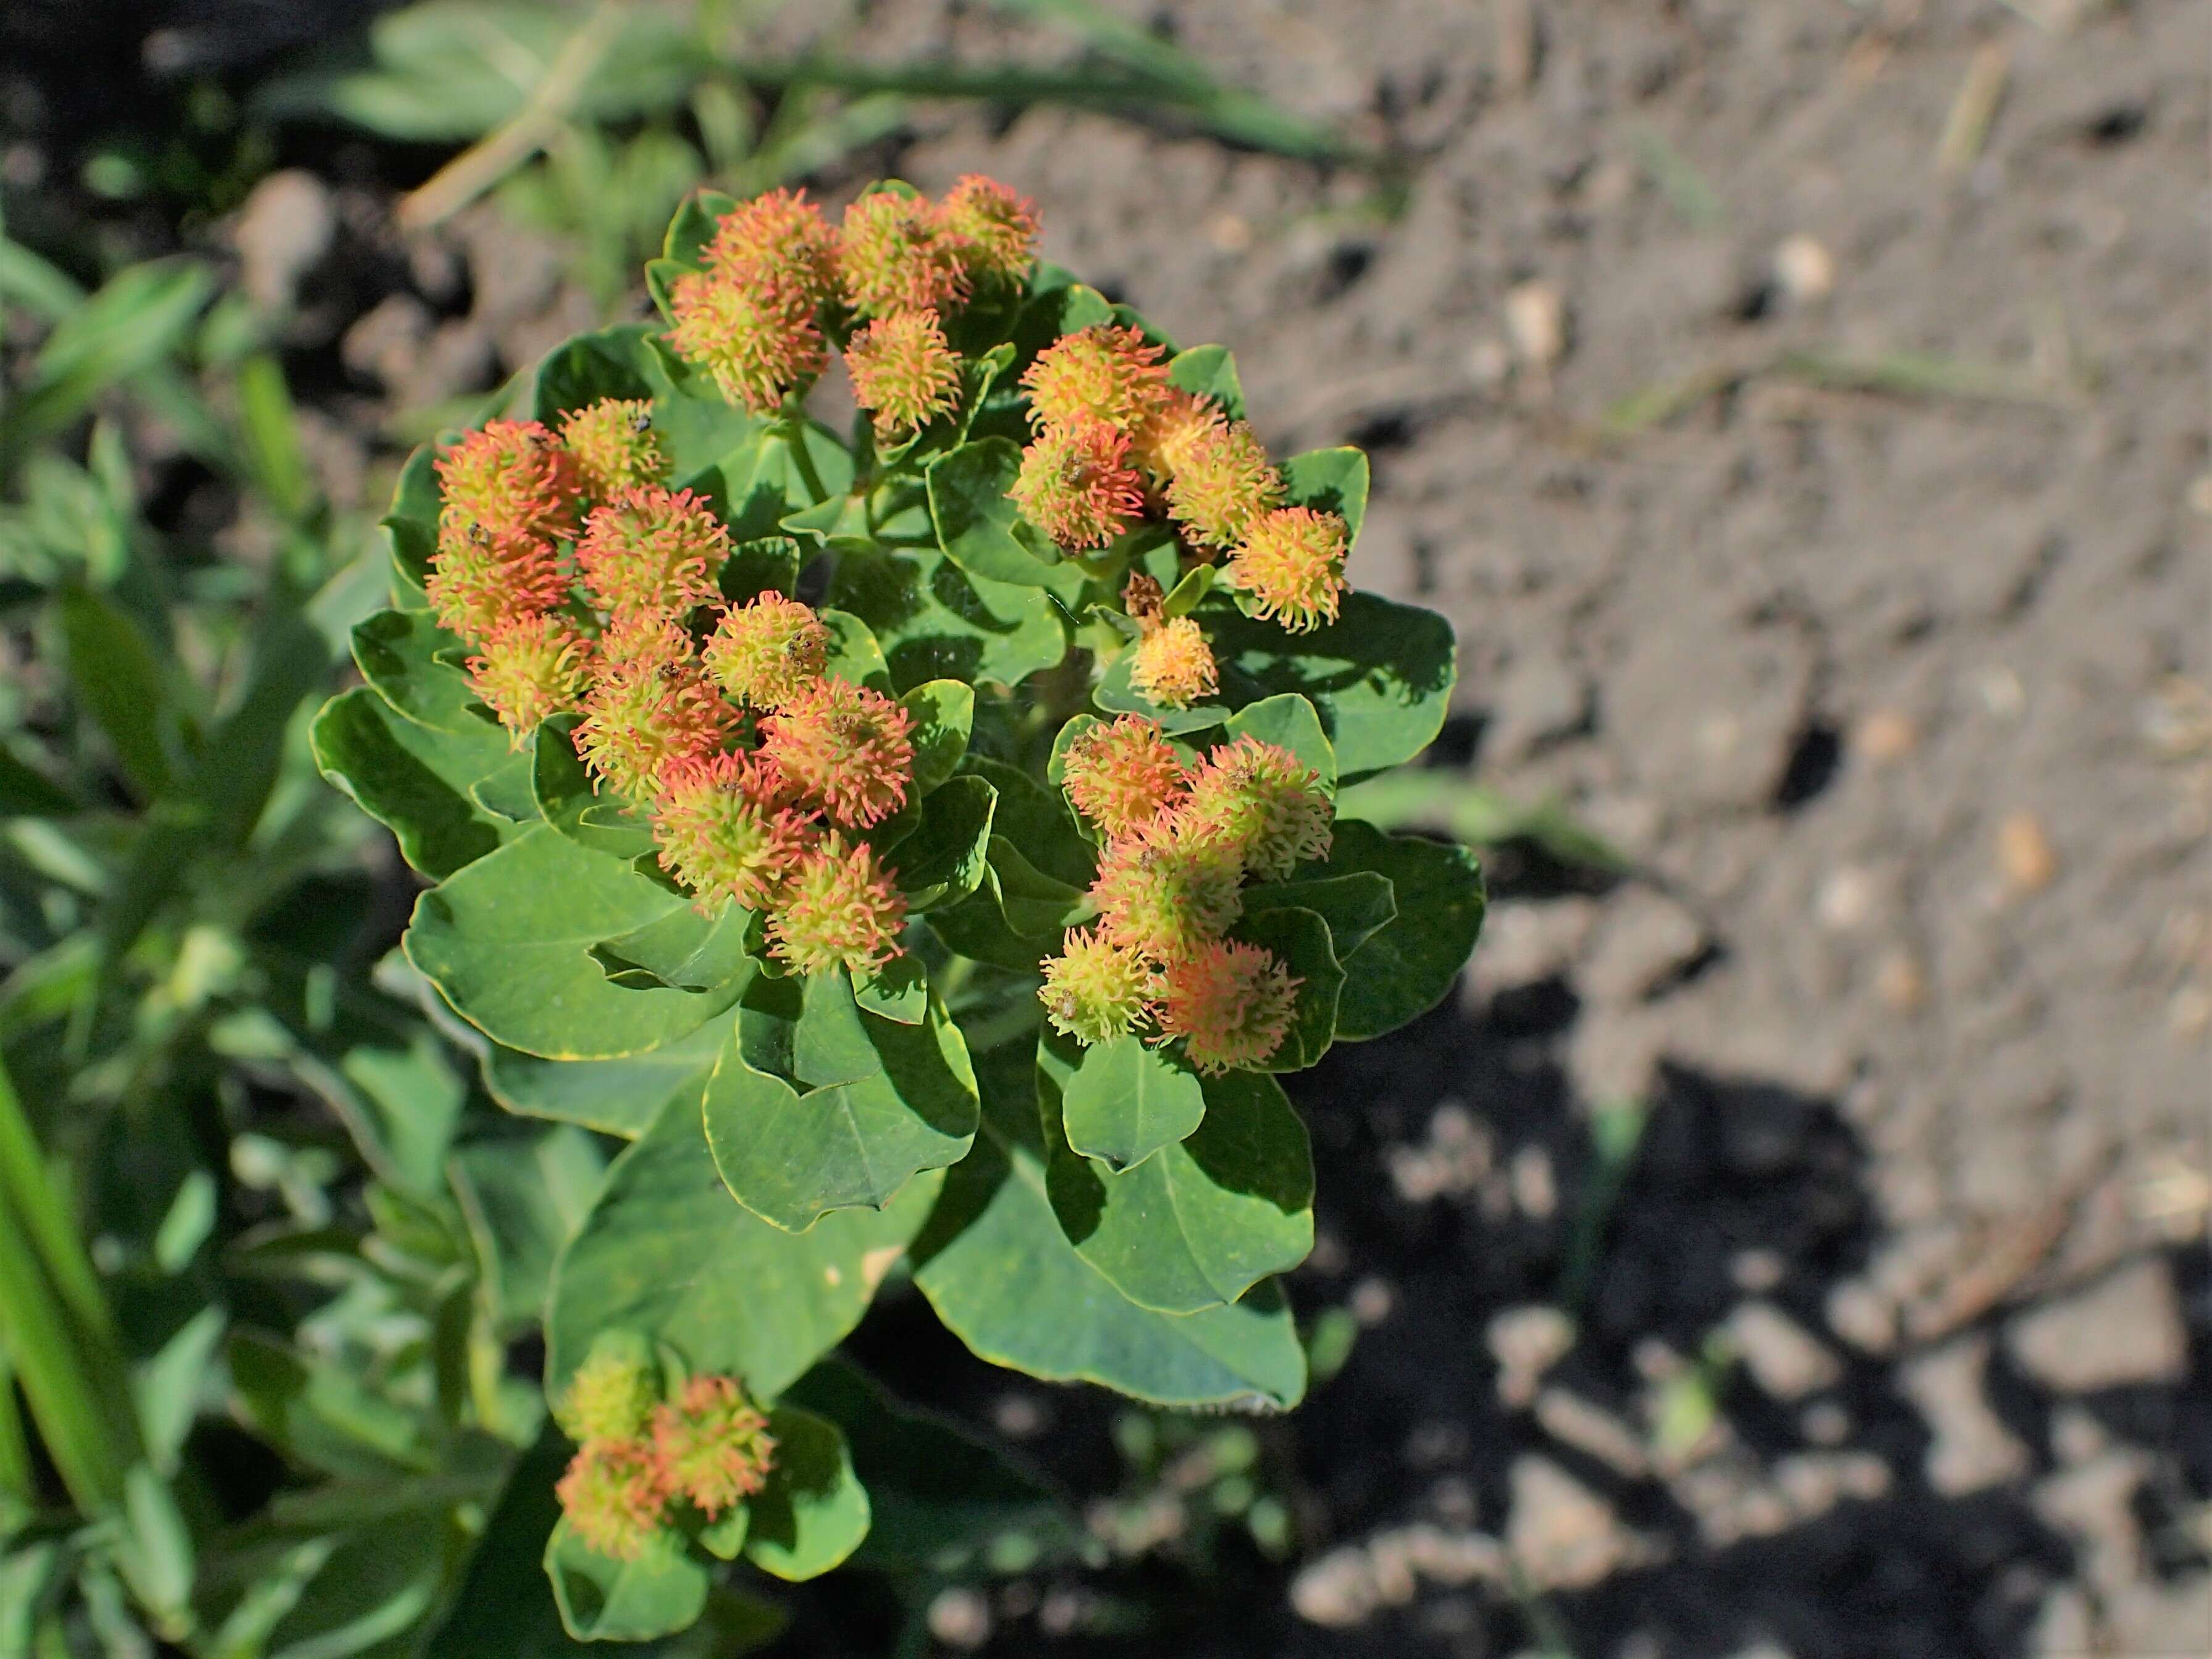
(116, 673)
(521, 1201)
(1182, 599)
(698, 430)
(25, 792)
(507, 940)
(1329, 481)
(1380, 675)
(817, 1105)
(762, 484)
(942, 861)
(417, 668)
(1357, 905)
(1301, 939)
(681, 949)
(943, 712)
(813, 1512)
(668, 1254)
(1038, 822)
(1289, 722)
(1001, 1274)
(853, 654)
(569, 799)
(1202, 1220)
(935, 620)
(944, 1502)
(358, 746)
(978, 525)
(600, 1599)
(1404, 970)
(1125, 1100)
(1209, 371)
(616, 1097)
(412, 526)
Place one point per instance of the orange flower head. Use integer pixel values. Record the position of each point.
(998, 226)
(1101, 373)
(1221, 482)
(894, 254)
(642, 718)
(609, 1399)
(1164, 443)
(529, 668)
(754, 334)
(904, 371)
(1164, 894)
(1077, 486)
(768, 651)
(638, 642)
(1173, 666)
(652, 550)
(1097, 989)
(477, 584)
(1230, 1002)
(1292, 565)
(844, 746)
(712, 1444)
(839, 909)
(1261, 803)
(613, 1498)
(1120, 776)
(511, 481)
(725, 830)
(615, 447)
(778, 235)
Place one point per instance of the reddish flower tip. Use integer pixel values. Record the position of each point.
(1292, 565)
(613, 1498)
(1119, 776)
(652, 550)
(642, 715)
(1261, 803)
(781, 236)
(712, 1444)
(768, 651)
(724, 829)
(997, 228)
(1220, 482)
(1103, 373)
(507, 482)
(615, 447)
(1161, 893)
(1096, 988)
(1231, 1003)
(1076, 485)
(1173, 666)
(477, 585)
(530, 668)
(904, 371)
(847, 747)
(751, 330)
(895, 254)
(839, 909)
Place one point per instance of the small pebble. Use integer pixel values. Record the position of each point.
(1899, 981)
(1757, 1271)
(1846, 899)
(1885, 735)
(1805, 268)
(1231, 233)
(1535, 1193)
(960, 1618)
(1536, 318)
(1489, 361)
(2200, 493)
(2025, 854)
(1371, 1301)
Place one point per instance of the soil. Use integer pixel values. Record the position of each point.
(1794, 1244)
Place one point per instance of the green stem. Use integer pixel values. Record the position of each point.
(794, 435)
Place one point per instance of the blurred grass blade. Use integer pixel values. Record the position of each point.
(143, 314)
(270, 426)
(1615, 1131)
(55, 1325)
(1433, 797)
(115, 669)
(30, 282)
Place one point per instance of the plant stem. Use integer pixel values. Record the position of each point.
(794, 435)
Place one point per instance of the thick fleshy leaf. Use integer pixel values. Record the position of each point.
(943, 712)
(1202, 1220)
(943, 1502)
(699, 428)
(1405, 968)
(509, 942)
(1018, 916)
(357, 746)
(1210, 372)
(1038, 822)
(1125, 1099)
(668, 1254)
(573, 803)
(616, 1097)
(1300, 939)
(411, 525)
(936, 620)
(681, 949)
(1001, 1274)
(601, 1600)
(1288, 720)
(881, 1101)
(1329, 481)
(1380, 675)
(1357, 904)
(420, 669)
(978, 525)
(763, 483)
(813, 1512)
(942, 861)
(853, 654)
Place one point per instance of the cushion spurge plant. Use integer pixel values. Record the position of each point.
(921, 845)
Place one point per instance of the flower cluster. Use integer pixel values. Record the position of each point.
(1179, 842)
(641, 1457)
(776, 282)
(592, 590)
